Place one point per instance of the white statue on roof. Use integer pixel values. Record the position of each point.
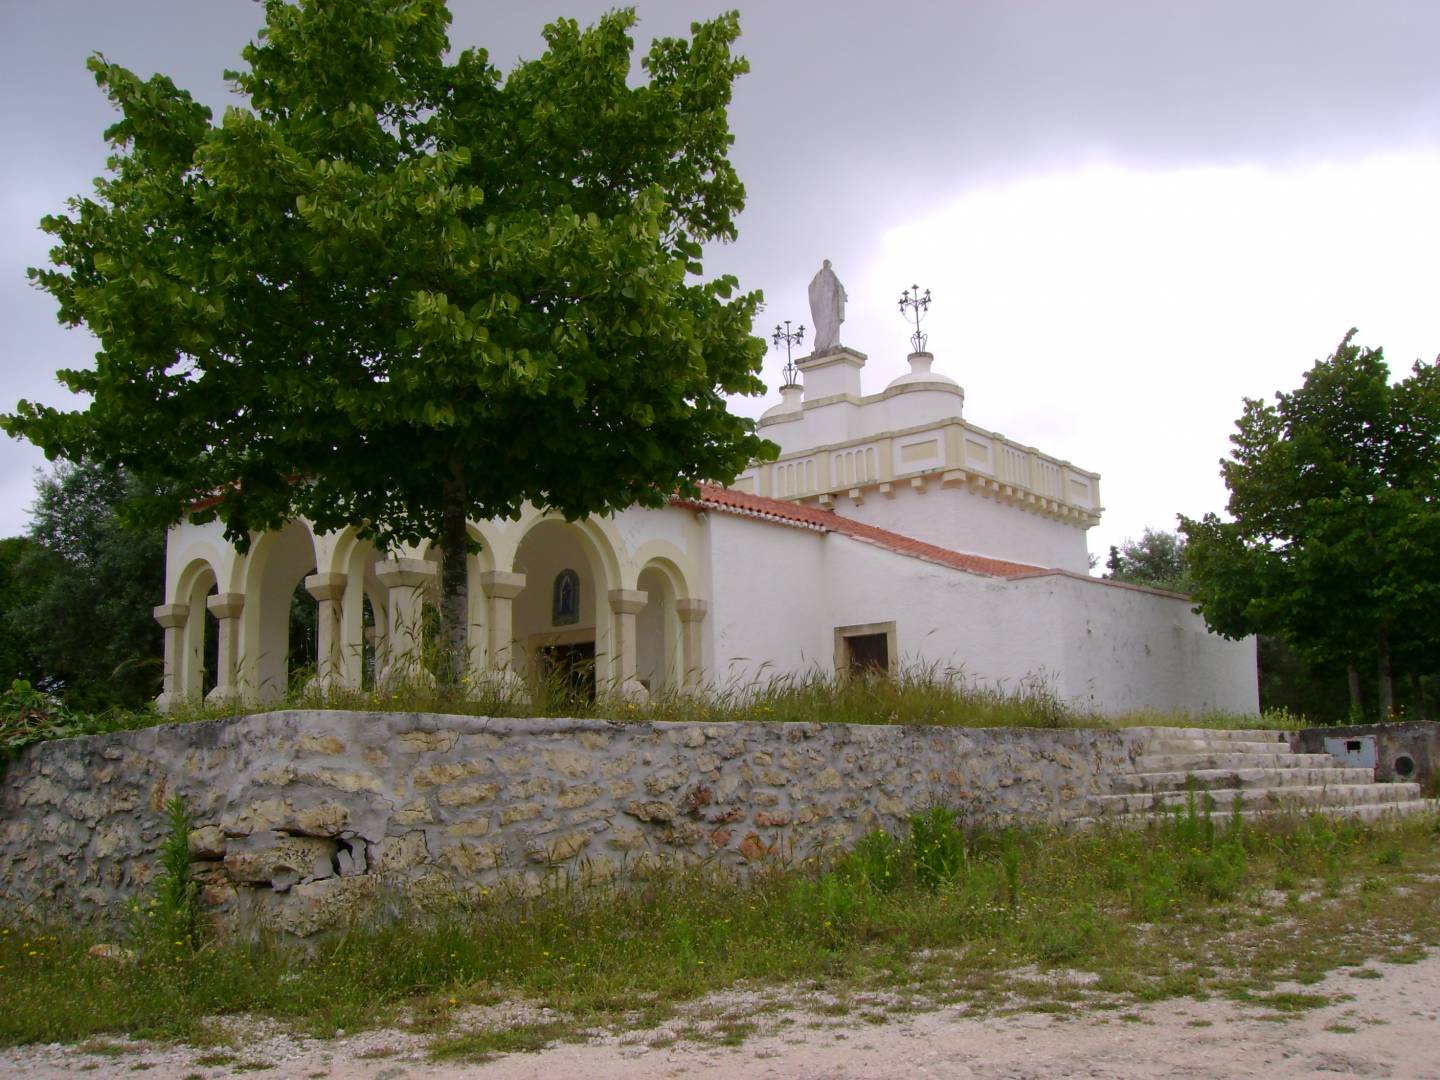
(827, 309)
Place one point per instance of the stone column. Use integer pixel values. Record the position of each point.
(500, 588)
(172, 618)
(329, 593)
(405, 581)
(692, 614)
(626, 604)
(226, 608)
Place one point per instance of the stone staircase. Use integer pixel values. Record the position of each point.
(1257, 768)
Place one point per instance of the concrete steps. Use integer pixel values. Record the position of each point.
(1245, 776)
(1252, 770)
(1160, 763)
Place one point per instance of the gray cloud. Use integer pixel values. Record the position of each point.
(856, 116)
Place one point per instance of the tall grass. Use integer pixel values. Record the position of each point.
(940, 907)
(918, 695)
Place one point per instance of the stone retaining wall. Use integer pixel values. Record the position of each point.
(298, 815)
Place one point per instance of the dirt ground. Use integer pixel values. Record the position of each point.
(1386, 1027)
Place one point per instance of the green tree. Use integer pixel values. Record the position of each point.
(1157, 559)
(91, 582)
(399, 291)
(1334, 539)
(18, 588)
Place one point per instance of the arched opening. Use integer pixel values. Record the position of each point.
(369, 634)
(364, 617)
(658, 642)
(561, 618)
(210, 666)
(302, 638)
(199, 650)
(278, 565)
(478, 560)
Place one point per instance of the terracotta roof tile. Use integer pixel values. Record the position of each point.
(787, 513)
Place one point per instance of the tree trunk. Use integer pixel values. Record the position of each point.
(454, 583)
(1357, 702)
(1387, 685)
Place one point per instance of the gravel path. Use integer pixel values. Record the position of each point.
(1389, 1028)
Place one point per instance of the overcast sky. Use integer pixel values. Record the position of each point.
(1130, 214)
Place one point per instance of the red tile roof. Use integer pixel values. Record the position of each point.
(728, 500)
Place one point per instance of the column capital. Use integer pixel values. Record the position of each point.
(171, 616)
(628, 601)
(325, 586)
(691, 609)
(502, 584)
(405, 573)
(225, 605)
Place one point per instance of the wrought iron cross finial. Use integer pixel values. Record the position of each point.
(918, 305)
(787, 338)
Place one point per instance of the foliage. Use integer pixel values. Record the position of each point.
(29, 715)
(1334, 539)
(398, 291)
(1288, 682)
(173, 917)
(937, 847)
(1157, 559)
(90, 582)
(18, 589)
(1173, 908)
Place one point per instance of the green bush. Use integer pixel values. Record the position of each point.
(28, 715)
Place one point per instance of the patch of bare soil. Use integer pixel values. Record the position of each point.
(1383, 1022)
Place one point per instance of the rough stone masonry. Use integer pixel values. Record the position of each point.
(301, 816)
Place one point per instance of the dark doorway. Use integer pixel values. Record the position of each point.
(303, 650)
(868, 654)
(569, 671)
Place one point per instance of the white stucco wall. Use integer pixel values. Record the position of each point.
(964, 520)
(769, 601)
(779, 594)
(1122, 649)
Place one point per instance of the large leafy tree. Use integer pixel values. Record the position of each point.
(81, 588)
(1334, 539)
(402, 290)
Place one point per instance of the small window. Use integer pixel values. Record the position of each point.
(868, 654)
(866, 650)
(566, 606)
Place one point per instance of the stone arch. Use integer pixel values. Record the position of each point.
(477, 564)
(659, 641)
(547, 545)
(360, 639)
(279, 561)
(194, 585)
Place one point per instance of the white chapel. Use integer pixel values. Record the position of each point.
(890, 532)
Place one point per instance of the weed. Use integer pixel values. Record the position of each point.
(172, 920)
(937, 848)
(481, 1046)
